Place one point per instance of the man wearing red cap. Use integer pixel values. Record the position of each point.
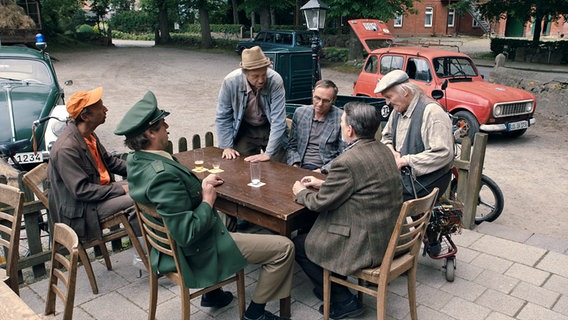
(82, 188)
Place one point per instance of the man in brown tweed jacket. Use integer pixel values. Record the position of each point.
(357, 207)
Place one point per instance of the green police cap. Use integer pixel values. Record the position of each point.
(140, 117)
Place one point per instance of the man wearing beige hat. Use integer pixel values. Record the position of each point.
(80, 171)
(251, 111)
(419, 134)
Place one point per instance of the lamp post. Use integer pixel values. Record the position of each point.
(314, 13)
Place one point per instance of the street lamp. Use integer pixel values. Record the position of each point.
(315, 12)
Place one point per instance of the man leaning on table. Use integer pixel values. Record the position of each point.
(357, 206)
(251, 111)
(315, 135)
(186, 204)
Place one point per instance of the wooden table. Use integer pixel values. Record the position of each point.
(271, 206)
(13, 307)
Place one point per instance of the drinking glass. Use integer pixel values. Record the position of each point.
(255, 173)
(198, 159)
(216, 163)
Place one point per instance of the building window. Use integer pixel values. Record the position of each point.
(451, 17)
(429, 13)
(474, 23)
(398, 20)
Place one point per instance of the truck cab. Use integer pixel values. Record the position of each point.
(476, 104)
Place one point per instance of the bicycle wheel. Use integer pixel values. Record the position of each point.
(490, 202)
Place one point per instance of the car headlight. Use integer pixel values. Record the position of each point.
(498, 110)
(529, 106)
(58, 127)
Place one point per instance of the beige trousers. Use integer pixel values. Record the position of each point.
(275, 254)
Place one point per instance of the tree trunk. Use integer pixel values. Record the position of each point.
(264, 14)
(235, 5)
(355, 47)
(163, 22)
(537, 29)
(206, 41)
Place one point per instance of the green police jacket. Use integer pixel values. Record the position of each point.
(207, 251)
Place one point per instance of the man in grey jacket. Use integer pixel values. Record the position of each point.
(251, 112)
(357, 207)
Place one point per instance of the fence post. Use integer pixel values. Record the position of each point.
(196, 142)
(209, 139)
(182, 144)
(473, 181)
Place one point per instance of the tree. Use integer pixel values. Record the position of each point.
(264, 7)
(536, 11)
(377, 9)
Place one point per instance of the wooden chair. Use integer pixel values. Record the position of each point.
(36, 178)
(63, 269)
(11, 206)
(401, 257)
(157, 236)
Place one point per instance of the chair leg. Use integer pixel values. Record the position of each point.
(382, 299)
(153, 296)
(185, 302)
(105, 254)
(241, 292)
(412, 292)
(326, 294)
(134, 240)
(88, 269)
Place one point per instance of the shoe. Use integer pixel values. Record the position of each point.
(216, 299)
(317, 293)
(350, 308)
(266, 316)
(435, 249)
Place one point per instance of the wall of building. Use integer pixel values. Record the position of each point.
(414, 25)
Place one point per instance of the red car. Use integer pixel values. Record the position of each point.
(478, 105)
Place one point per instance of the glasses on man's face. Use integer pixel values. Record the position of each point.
(319, 99)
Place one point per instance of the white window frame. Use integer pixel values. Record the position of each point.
(451, 17)
(474, 23)
(398, 20)
(428, 12)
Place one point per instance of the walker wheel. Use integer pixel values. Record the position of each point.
(450, 269)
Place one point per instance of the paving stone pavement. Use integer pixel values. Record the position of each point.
(500, 274)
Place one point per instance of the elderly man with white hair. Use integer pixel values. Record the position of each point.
(419, 134)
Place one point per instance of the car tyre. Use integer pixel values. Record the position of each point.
(470, 124)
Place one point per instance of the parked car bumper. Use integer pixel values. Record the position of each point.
(502, 126)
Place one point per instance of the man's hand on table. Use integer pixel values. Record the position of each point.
(230, 153)
(213, 180)
(258, 157)
(306, 182)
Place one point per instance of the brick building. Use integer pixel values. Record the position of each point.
(435, 19)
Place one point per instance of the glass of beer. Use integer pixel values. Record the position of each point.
(198, 159)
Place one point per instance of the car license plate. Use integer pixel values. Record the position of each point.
(519, 125)
(29, 157)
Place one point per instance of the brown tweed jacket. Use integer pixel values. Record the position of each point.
(358, 205)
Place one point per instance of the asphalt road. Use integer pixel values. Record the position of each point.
(531, 170)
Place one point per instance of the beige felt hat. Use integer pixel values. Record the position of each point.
(254, 58)
(390, 80)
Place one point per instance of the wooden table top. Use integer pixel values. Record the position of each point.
(275, 198)
(13, 307)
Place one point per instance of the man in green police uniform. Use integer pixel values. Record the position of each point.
(211, 253)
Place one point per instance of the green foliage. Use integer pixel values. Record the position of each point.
(130, 36)
(131, 22)
(85, 28)
(333, 54)
(60, 16)
(85, 33)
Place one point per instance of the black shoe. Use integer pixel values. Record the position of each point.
(435, 249)
(266, 316)
(216, 299)
(350, 308)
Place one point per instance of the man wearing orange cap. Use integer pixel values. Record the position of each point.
(82, 188)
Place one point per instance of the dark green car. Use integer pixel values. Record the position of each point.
(29, 91)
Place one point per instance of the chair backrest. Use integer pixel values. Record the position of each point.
(36, 178)
(11, 207)
(63, 269)
(156, 234)
(405, 241)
